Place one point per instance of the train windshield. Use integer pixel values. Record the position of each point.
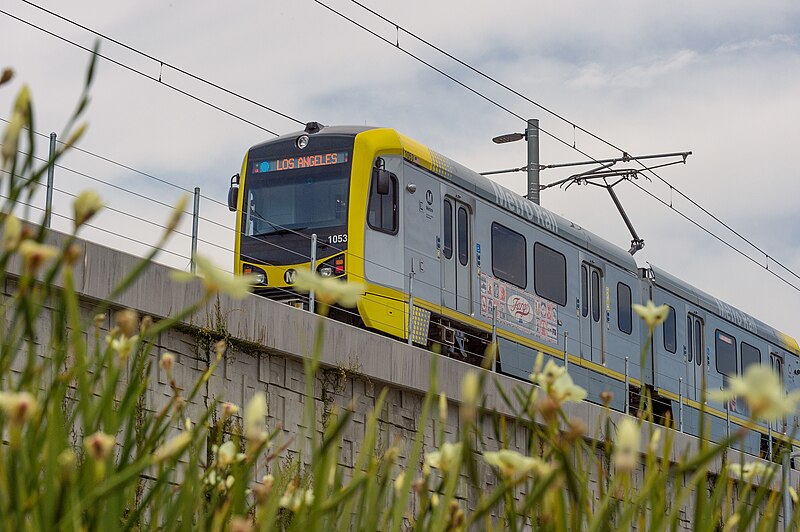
(286, 199)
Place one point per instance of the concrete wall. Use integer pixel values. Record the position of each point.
(271, 341)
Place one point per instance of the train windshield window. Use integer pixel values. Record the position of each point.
(584, 291)
(280, 202)
(725, 346)
(550, 274)
(462, 233)
(382, 211)
(750, 355)
(624, 315)
(509, 259)
(595, 295)
(670, 336)
(447, 233)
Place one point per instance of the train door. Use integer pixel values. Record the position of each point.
(591, 312)
(456, 255)
(695, 356)
(776, 362)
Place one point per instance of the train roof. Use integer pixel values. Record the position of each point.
(483, 187)
(345, 131)
(684, 290)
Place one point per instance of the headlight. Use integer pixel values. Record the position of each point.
(302, 141)
(256, 274)
(326, 271)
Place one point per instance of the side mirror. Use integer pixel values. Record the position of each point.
(383, 181)
(233, 193)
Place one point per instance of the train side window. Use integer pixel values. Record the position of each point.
(509, 258)
(624, 314)
(382, 209)
(463, 236)
(550, 274)
(698, 342)
(725, 346)
(750, 355)
(689, 344)
(670, 333)
(447, 236)
(595, 295)
(584, 291)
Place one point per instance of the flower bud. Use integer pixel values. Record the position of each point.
(85, 206)
(6, 75)
(263, 490)
(254, 415)
(146, 323)
(18, 407)
(166, 363)
(128, 322)
(228, 410)
(35, 254)
(606, 397)
(99, 445)
(399, 481)
(19, 119)
(12, 232)
(73, 254)
(66, 460)
(226, 454)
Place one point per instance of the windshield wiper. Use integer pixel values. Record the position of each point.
(282, 231)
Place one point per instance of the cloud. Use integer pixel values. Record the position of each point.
(779, 41)
(648, 72)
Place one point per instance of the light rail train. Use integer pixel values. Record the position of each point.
(474, 262)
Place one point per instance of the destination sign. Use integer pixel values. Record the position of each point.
(301, 161)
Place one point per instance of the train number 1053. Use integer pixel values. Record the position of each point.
(337, 239)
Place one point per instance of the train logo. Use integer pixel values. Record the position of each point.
(290, 276)
(520, 308)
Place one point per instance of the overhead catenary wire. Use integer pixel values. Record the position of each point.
(672, 188)
(89, 225)
(142, 73)
(168, 65)
(569, 122)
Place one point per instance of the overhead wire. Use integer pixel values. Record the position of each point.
(141, 73)
(564, 119)
(710, 233)
(672, 188)
(166, 64)
(92, 226)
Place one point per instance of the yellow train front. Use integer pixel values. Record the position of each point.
(323, 195)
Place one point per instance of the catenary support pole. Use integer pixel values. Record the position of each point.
(195, 220)
(313, 270)
(48, 208)
(532, 136)
(680, 404)
(411, 305)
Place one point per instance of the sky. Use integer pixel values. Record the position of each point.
(717, 78)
